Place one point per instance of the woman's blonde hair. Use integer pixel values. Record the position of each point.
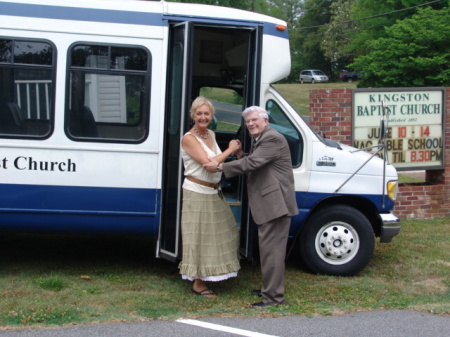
(199, 101)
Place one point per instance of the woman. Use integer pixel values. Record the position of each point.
(209, 232)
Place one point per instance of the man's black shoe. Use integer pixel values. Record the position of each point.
(260, 305)
(256, 292)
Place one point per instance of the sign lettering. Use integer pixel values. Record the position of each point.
(414, 137)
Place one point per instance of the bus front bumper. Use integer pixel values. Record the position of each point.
(390, 227)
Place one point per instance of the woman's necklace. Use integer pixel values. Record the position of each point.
(204, 137)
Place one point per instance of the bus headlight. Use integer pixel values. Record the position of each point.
(392, 189)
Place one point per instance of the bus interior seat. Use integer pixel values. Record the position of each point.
(82, 123)
(87, 120)
(11, 119)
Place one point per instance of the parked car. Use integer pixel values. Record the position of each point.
(348, 76)
(313, 76)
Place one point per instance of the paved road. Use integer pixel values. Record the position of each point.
(230, 113)
(396, 323)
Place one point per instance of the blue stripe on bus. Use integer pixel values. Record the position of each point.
(70, 209)
(81, 14)
(78, 199)
(41, 208)
(308, 200)
(117, 16)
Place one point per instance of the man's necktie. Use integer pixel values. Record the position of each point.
(253, 145)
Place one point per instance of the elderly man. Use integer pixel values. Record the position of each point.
(271, 194)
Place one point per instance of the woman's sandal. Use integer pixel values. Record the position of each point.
(205, 292)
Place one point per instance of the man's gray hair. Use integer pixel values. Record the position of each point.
(262, 112)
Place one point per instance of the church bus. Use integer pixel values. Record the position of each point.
(94, 100)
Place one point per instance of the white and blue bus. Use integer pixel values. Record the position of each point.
(94, 100)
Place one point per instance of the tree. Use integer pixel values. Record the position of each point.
(288, 10)
(337, 36)
(373, 16)
(308, 35)
(416, 52)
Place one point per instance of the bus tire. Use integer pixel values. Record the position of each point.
(337, 240)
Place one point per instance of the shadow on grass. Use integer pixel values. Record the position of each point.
(72, 252)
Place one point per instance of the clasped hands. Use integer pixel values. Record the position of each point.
(234, 146)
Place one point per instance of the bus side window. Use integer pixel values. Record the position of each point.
(279, 121)
(26, 88)
(108, 98)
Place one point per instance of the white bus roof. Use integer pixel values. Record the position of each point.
(166, 8)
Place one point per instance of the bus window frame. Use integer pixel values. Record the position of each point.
(145, 75)
(50, 102)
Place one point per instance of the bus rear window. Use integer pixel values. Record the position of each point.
(26, 88)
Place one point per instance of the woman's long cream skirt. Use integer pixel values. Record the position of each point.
(210, 238)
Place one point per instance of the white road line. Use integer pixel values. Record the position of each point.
(223, 328)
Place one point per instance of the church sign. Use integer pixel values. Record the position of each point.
(415, 119)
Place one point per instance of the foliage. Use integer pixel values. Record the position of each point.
(373, 16)
(415, 52)
(290, 10)
(337, 36)
(307, 38)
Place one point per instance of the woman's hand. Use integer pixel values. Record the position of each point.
(234, 145)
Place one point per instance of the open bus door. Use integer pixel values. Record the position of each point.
(202, 59)
(177, 101)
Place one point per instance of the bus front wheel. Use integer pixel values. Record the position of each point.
(337, 240)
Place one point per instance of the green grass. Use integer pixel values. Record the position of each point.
(224, 126)
(298, 94)
(60, 280)
(51, 282)
(295, 93)
(222, 95)
(407, 179)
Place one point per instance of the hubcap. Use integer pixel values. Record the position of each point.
(337, 242)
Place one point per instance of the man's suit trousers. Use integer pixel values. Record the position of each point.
(273, 237)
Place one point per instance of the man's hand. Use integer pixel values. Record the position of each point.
(239, 154)
(211, 166)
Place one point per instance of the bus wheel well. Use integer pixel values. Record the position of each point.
(361, 204)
